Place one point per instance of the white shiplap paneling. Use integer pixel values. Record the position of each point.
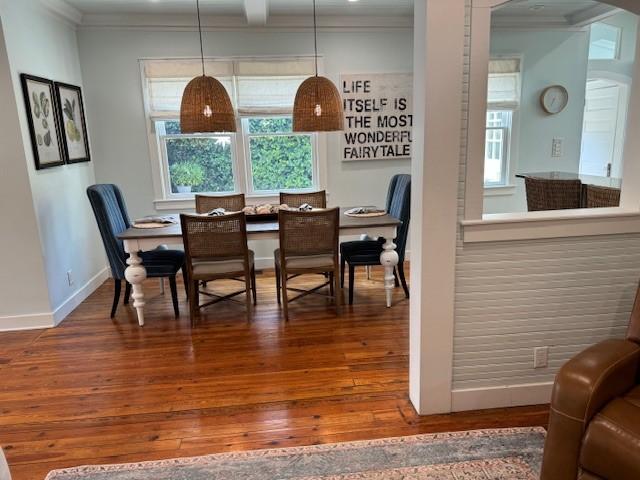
(511, 297)
(514, 296)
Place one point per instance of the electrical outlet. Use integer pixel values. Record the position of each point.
(540, 357)
(70, 278)
(556, 147)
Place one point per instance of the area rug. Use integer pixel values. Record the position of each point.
(504, 454)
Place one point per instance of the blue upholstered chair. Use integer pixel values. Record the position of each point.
(112, 217)
(367, 252)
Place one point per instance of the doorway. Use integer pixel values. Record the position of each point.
(603, 131)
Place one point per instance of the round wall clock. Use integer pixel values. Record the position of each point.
(554, 99)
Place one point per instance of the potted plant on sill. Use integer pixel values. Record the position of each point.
(186, 174)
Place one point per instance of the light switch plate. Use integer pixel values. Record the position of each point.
(540, 357)
(557, 147)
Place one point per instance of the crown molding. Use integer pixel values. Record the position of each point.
(227, 23)
(576, 22)
(593, 14)
(528, 22)
(63, 10)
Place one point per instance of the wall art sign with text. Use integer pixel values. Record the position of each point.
(378, 116)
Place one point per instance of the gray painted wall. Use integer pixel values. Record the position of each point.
(24, 290)
(40, 43)
(548, 58)
(109, 59)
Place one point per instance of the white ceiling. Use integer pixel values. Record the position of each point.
(236, 7)
(514, 14)
(568, 12)
(545, 8)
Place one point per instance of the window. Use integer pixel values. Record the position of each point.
(196, 163)
(279, 158)
(604, 43)
(503, 101)
(497, 147)
(264, 157)
(276, 158)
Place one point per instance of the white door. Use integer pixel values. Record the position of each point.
(603, 132)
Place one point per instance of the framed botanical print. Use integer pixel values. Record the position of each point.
(39, 99)
(73, 123)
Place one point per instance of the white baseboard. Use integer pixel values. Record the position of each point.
(71, 303)
(52, 319)
(36, 321)
(263, 263)
(502, 396)
(31, 321)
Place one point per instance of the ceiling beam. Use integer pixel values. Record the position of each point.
(256, 11)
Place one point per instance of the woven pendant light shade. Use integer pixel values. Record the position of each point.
(317, 107)
(206, 107)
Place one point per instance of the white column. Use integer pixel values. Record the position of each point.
(630, 195)
(438, 83)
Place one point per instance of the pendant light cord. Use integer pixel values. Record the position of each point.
(315, 36)
(200, 31)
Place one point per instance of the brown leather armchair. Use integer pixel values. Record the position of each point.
(594, 424)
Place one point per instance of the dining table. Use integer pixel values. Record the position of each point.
(138, 240)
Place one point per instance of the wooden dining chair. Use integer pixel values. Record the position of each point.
(600, 197)
(308, 245)
(216, 248)
(294, 200)
(551, 194)
(231, 203)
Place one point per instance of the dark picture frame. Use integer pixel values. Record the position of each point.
(44, 128)
(73, 123)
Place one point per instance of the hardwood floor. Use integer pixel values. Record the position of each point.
(96, 390)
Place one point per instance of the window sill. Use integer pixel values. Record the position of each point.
(551, 224)
(499, 190)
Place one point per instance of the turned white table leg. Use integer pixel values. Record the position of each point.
(389, 259)
(135, 274)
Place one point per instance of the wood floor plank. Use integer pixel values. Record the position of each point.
(96, 390)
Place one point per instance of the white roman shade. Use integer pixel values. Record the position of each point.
(255, 86)
(166, 80)
(504, 83)
(267, 95)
